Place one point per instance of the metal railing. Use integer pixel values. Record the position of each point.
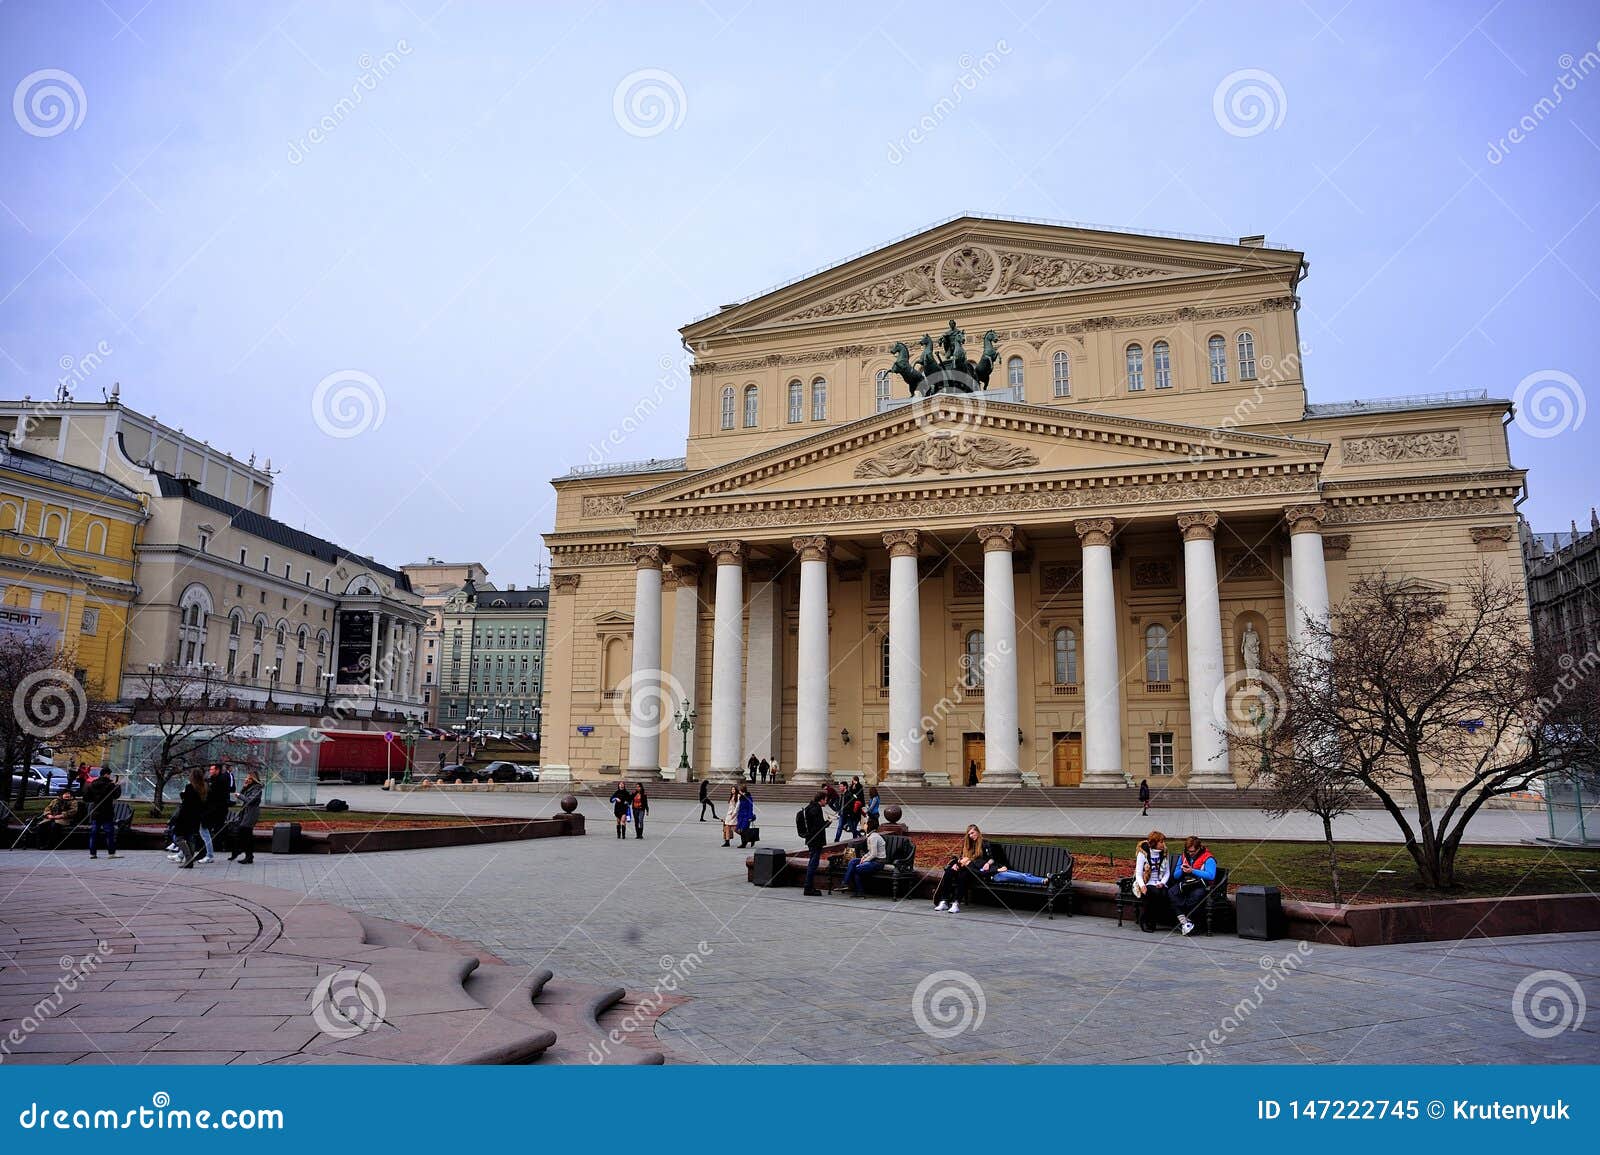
(650, 465)
(1406, 401)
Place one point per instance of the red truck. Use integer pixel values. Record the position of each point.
(360, 756)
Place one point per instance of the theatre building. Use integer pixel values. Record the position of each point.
(1068, 577)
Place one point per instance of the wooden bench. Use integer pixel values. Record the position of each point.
(1216, 911)
(1052, 863)
(899, 865)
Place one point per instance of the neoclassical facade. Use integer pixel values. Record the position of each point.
(1068, 578)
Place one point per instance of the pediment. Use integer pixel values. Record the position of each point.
(955, 439)
(974, 259)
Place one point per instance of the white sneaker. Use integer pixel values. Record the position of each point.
(942, 905)
(172, 848)
(205, 861)
(1185, 926)
(175, 858)
(955, 908)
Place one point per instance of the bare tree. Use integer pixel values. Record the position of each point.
(1418, 695)
(194, 720)
(43, 703)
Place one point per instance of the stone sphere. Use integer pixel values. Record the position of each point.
(891, 813)
(569, 802)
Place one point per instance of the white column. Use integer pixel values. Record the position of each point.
(812, 719)
(905, 660)
(1002, 766)
(727, 663)
(1202, 627)
(1307, 567)
(372, 656)
(763, 659)
(649, 713)
(685, 655)
(1102, 674)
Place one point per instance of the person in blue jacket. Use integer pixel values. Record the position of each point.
(746, 817)
(1193, 872)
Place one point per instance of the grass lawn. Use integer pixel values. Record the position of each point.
(1301, 868)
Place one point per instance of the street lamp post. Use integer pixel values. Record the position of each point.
(683, 719)
(411, 734)
(272, 682)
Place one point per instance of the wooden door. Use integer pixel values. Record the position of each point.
(971, 751)
(883, 756)
(1067, 752)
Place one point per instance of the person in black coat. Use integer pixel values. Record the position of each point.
(816, 835)
(621, 799)
(705, 800)
(640, 801)
(219, 796)
(100, 799)
(186, 823)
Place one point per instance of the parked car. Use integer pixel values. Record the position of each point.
(510, 772)
(43, 780)
(455, 772)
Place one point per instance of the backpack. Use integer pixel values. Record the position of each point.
(337, 805)
(800, 823)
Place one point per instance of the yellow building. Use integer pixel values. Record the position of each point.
(67, 538)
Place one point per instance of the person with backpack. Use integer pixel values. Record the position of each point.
(1192, 875)
(705, 800)
(641, 806)
(851, 808)
(100, 800)
(242, 839)
(812, 826)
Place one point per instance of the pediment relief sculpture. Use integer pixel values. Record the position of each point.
(947, 453)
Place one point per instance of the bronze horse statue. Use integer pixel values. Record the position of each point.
(952, 373)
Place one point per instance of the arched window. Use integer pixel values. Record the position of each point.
(727, 407)
(795, 401)
(972, 661)
(1014, 372)
(95, 537)
(883, 387)
(300, 658)
(1161, 358)
(819, 400)
(1217, 350)
(1066, 652)
(54, 526)
(883, 661)
(194, 610)
(235, 624)
(1247, 356)
(752, 406)
(1061, 366)
(1156, 667)
(1135, 369)
(10, 515)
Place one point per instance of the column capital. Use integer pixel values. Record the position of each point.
(680, 574)
(1095, 531)
(999, 538)
(1305, 518)
(901, 542)
(814, 548)
(645, 556)
(564, 583)
(729, 552)
(1198, 526)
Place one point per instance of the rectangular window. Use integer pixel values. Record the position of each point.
(205, 540)
(242, 556)
(1161, 760)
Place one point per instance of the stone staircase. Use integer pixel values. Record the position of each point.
(1044, 797)
(444, 1003)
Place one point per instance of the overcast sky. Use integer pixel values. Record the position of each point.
(490, 239)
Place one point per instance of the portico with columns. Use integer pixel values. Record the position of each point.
(1070, 580)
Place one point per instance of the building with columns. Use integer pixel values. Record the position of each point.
(1069, 578)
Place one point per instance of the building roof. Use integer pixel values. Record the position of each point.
(275, 531)
(537, 598)
(48, 469)
(1455, 399)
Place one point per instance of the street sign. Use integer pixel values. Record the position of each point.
(586, 730)
(388, 735)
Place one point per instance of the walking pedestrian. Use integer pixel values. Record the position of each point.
(219, 795)
(752, 766)
(243, 838)
(705, 800)
(640, 802)
(764, 769)
(814, 829)
(620, 801)
(730, 813)
(1144, 796)
(746, 817)
(100, 798)
(187, 822)
(972, 772)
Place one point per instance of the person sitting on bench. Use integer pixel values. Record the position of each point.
(976, 854)
(58, 819)
(1152, 870)
(1192, 875)
(872, 859)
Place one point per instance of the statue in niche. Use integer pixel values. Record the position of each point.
(1250, 649)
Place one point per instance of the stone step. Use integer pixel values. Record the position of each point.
(576, 1010)
(1043, 797)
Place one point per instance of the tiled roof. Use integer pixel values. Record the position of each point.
(270, 529)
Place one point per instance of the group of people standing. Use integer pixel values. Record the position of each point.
(201, 820)
(738, 816)
(760, 770)
(630, 804)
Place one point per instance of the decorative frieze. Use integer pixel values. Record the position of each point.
(1152, 573)
(1335, 545)
(603, 504)
(1245, 565)
(1060, 578)
(1382, 448)
(565, 583)
(598, 554)
(1412, 507)
(947, 453)
(968, 583)
(1491, 538)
